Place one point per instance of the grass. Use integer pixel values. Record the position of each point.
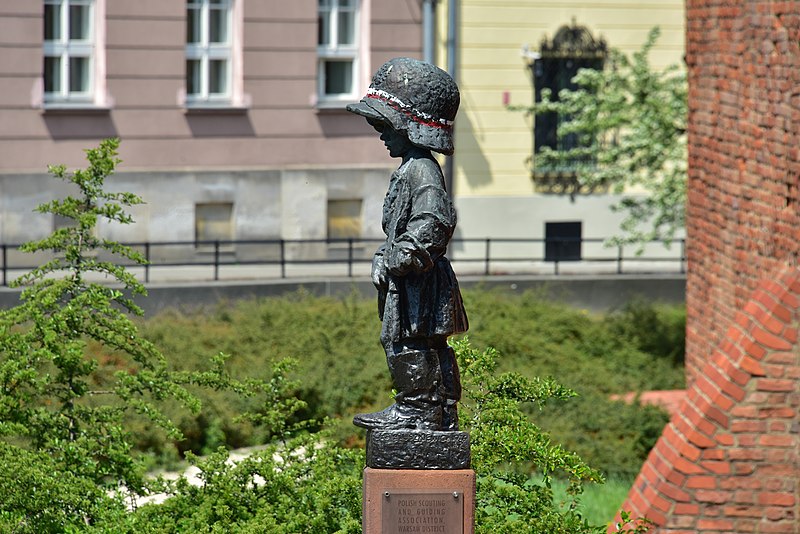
(599, 503)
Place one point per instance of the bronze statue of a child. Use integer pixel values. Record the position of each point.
(413, 104)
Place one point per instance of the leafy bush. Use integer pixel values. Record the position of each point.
(341, 367)
(37, 496)
(595, 357)
(656, 330)
(506, 444)
(64, 408)
(630, 123)
(52, 400)
(309, 484)
(613, 436)
(301, 485)
(588, 353)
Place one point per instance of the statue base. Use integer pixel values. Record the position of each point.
(417, 449)
(411, 500)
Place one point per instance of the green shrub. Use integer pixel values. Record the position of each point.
(594, 357)
(506, 445)
(52, 398)
(614, 436)
(341, 367)
(301, 485)
(37, 496)
(74, 370)
(342, 371)
(541, 338)
(659, 330)
(309, 484)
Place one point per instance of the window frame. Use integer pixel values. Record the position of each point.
(338, 217)
(333, 52)
(64, 48)
(202, 224)
(205, 52)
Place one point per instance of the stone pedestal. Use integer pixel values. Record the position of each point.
(418, 481)
(401, 501)
(417, 449)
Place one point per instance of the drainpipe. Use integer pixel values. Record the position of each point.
(452, 69)
(452, 37)
(428, 30)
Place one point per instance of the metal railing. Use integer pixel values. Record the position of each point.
(298, 258)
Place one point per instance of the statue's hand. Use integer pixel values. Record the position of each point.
(379, 272)
(400, 261)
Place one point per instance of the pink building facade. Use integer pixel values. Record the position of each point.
(230, 112)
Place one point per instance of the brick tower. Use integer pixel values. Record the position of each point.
(728, 461)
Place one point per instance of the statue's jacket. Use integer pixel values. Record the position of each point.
(421, 297)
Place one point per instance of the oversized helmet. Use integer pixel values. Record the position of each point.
(416, 97)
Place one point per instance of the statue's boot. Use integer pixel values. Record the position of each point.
(450, 389)
(418, 405)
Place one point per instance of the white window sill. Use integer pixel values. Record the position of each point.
(74, 108)
(338, 104)
(214, 108)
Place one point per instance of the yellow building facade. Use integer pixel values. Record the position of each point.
(496, 42)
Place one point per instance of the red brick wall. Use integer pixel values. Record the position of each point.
(744, 157)
(729, 460)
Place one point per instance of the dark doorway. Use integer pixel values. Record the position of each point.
(562, 241)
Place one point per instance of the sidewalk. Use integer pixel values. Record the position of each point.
(193, 287)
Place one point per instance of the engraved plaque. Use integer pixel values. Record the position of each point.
(433, 512)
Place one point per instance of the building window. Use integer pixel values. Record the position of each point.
(209, 52)
(562, 241)
(70, 61)
(344, 219)
(338, 51)
(213, 221)
(572, 48)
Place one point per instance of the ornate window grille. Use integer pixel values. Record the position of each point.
(571, 49)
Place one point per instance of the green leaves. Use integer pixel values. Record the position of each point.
(40, 498)
(507, 445)
(64, 407)
(501, 432)
(76, 244)
(54, 399)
